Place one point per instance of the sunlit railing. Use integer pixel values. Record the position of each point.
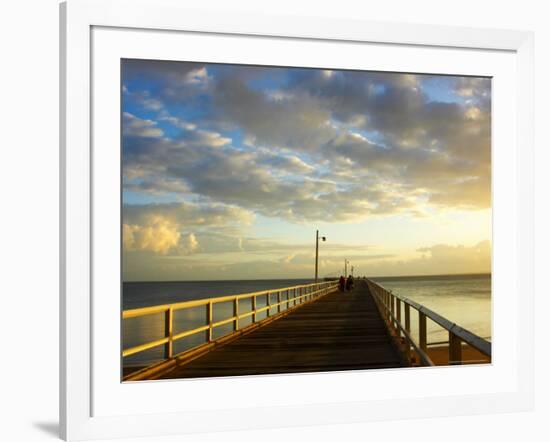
(393, 306)
(288, 298)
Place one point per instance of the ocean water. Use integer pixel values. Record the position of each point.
(140, 330)
(463, 299)
(144, 294)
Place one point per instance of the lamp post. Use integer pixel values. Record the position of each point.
(346, 262)
(323, 238)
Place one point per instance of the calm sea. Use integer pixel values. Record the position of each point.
(464, 299)
(137, 331)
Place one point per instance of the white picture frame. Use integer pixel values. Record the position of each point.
(80, 378)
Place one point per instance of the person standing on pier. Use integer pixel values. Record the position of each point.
(349, 283)
(341, 283)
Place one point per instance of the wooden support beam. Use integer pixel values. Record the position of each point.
(407, 318)
(455, 349)
(422, 331)
(398, 309)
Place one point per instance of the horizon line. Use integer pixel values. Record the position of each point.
(320, 278)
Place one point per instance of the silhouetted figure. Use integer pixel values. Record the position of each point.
(349, 283)
(341, 283)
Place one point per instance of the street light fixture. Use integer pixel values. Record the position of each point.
(317, 237)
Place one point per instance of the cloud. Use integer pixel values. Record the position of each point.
(142, 99)
(205, 138)
(173, 81)
(159, 235)
(215, 242)
(287, 164)
(190, 214)
(473, 87)
(436, 260)
(228, 176)
(191, 244)
(296, 121)
(196, 76)
(156, 186)
(177, 122)
(362, 178)
(134, 126)
(219, 144)
(175, 228)
(317, 140)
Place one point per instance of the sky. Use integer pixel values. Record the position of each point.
(229, 170)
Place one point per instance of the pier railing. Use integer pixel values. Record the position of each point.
(396, 311)
(287, 299)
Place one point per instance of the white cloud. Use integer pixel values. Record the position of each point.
(191, 244)
(197, 76)
(159, 235)
(205, 138)
(178, 122)
(134, 126)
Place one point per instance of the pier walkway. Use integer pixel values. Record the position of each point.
(340, 331)
(305, 328)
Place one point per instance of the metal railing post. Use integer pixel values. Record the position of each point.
(168, 332)
(278, 302)
(268, 304)
(254, 309)
(236, 314)
(209, 316)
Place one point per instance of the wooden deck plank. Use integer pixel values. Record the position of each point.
(340, 331)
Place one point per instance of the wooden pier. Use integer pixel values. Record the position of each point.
(307, 328)
(340, 331)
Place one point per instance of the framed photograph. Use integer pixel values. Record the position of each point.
(329, 220)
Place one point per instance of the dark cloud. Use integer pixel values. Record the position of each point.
(294, 120)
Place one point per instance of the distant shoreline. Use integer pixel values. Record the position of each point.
(311, 279)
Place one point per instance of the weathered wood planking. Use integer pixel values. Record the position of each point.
(341, 331)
